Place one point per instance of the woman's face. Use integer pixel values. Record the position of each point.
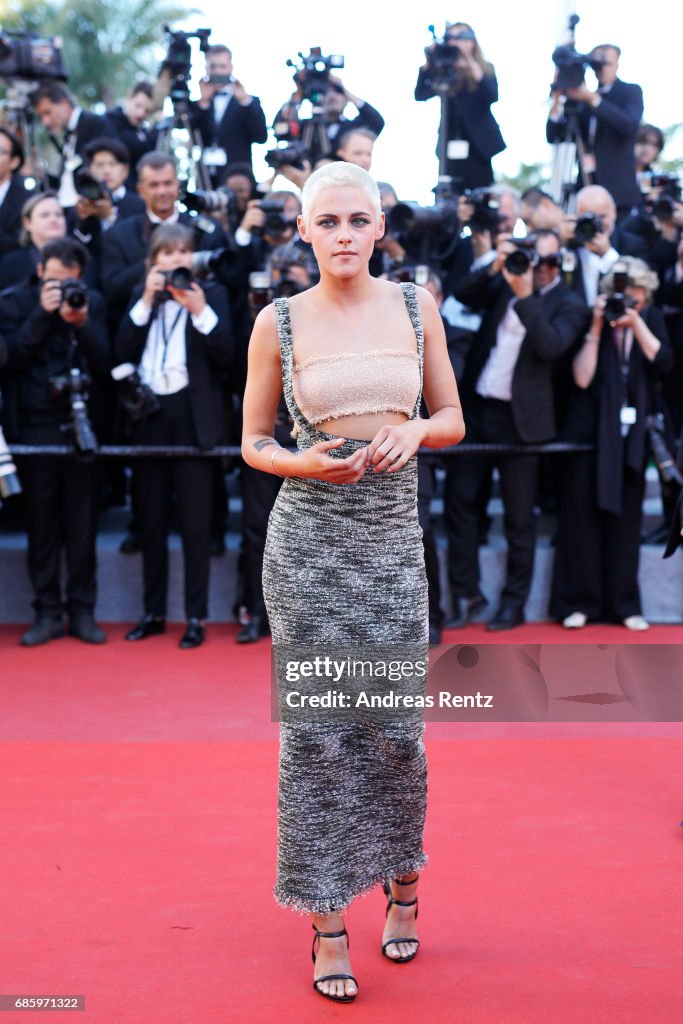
(639, 296)
(466, 46)
(647, 151)
(342, 226)
(171, 259)
(45, 223)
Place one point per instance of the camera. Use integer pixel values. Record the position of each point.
(275, 225)
(74, 293)
(218, 262)
(442, 57)
(293, 155)
(618, 301)
(668, 186)
(486, 215)
(571, 67)
(89, 187)
(313, 73)
(664, 460)
(524, 256)
(217, 200)
(25, 55)
(9, 479)
(72, 390)
(178, 63)
(138, 400)
(587, 227)
(180, 278)
(418, 274)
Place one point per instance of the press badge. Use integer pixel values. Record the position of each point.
(627, 415)
(214, 156)
(458, 149)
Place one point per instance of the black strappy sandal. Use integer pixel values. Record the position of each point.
(332, 977)
(400, 903)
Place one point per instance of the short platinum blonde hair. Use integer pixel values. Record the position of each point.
(639, 276)
(338, 175)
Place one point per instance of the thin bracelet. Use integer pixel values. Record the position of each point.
(273, 469)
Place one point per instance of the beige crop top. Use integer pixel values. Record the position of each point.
(354, 383)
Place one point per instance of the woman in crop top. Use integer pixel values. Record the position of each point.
(343, 567)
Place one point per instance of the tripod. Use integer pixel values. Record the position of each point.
(566, 156)
(177, 137)
(17, 116)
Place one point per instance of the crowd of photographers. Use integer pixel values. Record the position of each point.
(127, 301)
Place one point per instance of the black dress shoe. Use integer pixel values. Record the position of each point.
(147, 626)
(193, 635)
(86, 629)
(130, 545)
(507, 617)
(45, 628)
(466, 609)
(254, 630)
(434, 634)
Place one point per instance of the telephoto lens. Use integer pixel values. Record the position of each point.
(74, 293)
(9, 479)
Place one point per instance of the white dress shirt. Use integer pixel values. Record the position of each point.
(163, 366)
(593, 267)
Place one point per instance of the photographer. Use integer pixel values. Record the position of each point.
(13, 192)
(530, 319)
(608, 121)
(130, 121)
(54, 326)
(592, 236)
(176, 334)
(42, 221)
(127, 242)
(473, 135)
(626, 350)
(331, 120)
(69, 128)
(228, 118)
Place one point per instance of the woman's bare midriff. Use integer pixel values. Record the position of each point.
(361, 428)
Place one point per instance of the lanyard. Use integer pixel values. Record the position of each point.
(166, 337)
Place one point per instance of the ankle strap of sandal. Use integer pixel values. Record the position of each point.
(329, 935)
(412, 881)
(403, 903)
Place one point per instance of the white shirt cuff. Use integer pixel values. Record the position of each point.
(678, 273)
(205, 321)
(485, 260)
(243, 237)
(140, 313)
(608, 260)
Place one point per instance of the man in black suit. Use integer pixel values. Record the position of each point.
(130, 121)
(13, 192)
(70, 130)
(228, 118)
(530, 319)
(48, 338)
(608, 120)
(126, 243)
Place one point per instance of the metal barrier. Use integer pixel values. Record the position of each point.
(186, 451)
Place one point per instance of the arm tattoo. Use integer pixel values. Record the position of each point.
(264, 442)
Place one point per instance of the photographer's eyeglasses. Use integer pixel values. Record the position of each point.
(553, 260)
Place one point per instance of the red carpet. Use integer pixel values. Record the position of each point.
(139, 805)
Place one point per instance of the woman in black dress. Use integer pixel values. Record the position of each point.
(616, 371)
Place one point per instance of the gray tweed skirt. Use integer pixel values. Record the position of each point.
(344, 564)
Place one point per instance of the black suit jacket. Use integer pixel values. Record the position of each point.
(237, 130)
(124, 251)
(470, 112)
(39, 346)
(208, 356)
(618, 116)
(10, 214)
(554, 322)
(138, 141)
